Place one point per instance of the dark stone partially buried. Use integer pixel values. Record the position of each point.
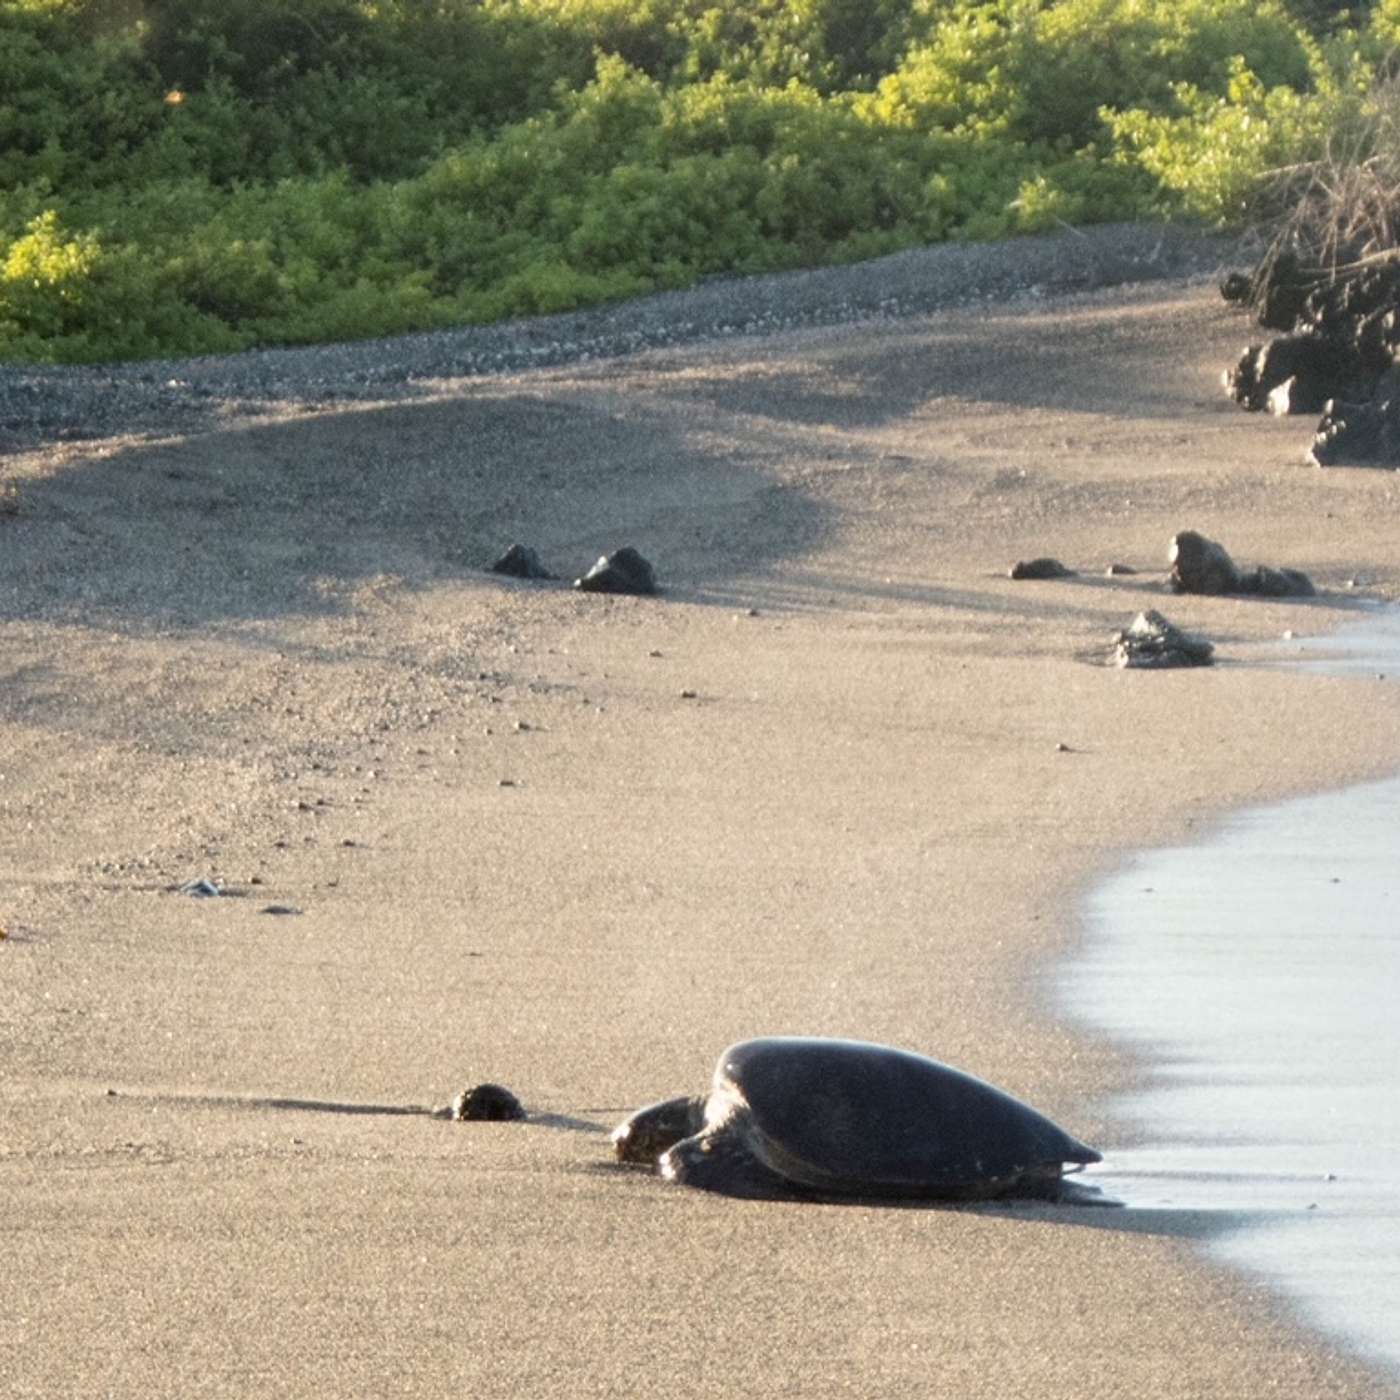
(1151, 642)
(624, 571)
(1039, 568)
(520, 561)
(487, 1103)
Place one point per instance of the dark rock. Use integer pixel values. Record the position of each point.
(1150, 641)
(1341, 333)
(1237, 287)
(1297, 373)
(624, 571)
(487, 1103)
(520, 561)
(1119, 570)
(1199, 565)
(1040, 568)
(1359, 434)
(1277, 583)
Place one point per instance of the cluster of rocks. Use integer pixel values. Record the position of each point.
(624, 571)
(1201, 565)
(1335, 356)
(1197, 565)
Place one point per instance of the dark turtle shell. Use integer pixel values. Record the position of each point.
(850, 1117)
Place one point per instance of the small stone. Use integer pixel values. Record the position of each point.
(487, 1103)
(1151, 641)
(623, 571)
(282, 910)
(520, 561)
(201, 889)
(688, 695)
(1039, 568)
(1119, 570)
(522, 726)
(505, 782)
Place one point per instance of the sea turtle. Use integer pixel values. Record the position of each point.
(801, 1116)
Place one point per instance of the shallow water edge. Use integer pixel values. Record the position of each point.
(1255, 975)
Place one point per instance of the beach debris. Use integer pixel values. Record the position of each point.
(1201, 565)
(795, 1117)
(624, 571)
(487, 1103)
(520, 561)
(1151, 641)
(202, 888)
(1039, 568)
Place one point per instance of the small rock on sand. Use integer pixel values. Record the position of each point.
(1151, 641)
(624, 571)
(1039, 568)
(520, 561)
(487, 1103)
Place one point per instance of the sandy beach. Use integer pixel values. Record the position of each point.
(843, 777)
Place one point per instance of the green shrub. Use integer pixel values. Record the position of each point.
(203, 175)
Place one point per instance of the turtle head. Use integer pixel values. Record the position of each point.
(653, 1130)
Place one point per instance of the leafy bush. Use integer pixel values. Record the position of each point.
(204, 175)
(1041, 73)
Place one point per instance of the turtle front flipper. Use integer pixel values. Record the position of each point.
(720, 1160)
(650, 1131)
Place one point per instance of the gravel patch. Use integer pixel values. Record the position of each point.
(172, 397)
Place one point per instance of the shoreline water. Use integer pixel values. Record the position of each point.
(1255, 975)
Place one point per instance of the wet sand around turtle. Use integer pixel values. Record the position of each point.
(844, 777)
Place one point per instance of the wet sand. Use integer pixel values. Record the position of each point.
(1254, 975)
(844, 778)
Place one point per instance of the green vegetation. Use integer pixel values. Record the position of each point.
(181, 176)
